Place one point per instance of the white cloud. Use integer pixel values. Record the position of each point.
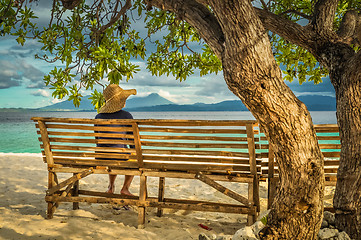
(41, 92)
(169, 96)
(55, 100)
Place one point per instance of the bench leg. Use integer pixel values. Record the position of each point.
(272, 183)
(161, 195)
(75, 193)
(142, 199)
(51, 210)
(52, 180)
(253, 198)
(250, 218)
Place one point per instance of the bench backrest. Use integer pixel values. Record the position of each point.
(329, 142)
(166, 145)
(73, 142)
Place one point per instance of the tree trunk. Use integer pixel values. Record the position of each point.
(253, 75)
(347, 200)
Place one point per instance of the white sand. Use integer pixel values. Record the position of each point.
(23, 181)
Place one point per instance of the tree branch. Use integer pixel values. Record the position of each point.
(324, 15)
(301, 14)
(350, 28)
(199, 17)
(115, 18)
(291, 31)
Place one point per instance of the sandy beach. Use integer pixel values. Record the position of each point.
(23, 181)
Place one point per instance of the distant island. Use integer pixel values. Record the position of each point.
(155, 103)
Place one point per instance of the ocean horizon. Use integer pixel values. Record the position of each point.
(18, 132)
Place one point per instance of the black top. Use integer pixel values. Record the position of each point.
(116, 115)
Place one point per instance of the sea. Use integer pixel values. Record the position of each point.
(18, 132)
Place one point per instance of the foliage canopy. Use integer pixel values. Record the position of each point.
(103, 39)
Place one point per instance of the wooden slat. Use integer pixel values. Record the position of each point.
(93, 155)
(332, 163)
(327, 130)
(89, 127)
(92, 200)
(86, 162)
(84, 120)
(197, 138)
(176, 122)
(90, 134)
(192, 130)
(330, 146)
(195, 152)
(197, 159)
(193, 145)
(321, 138)
(229, 177)
(196, 167)
(92, 149)
(91, 140)
(202, 206)
(331, 154)
(148, 121)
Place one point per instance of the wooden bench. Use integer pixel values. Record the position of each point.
(329, 142)
(210, 151)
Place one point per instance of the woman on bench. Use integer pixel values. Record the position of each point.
(115, 98)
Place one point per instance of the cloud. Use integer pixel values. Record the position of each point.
(41, 92)
(9, 76)
(214, 87)
(168, 95)
(16, 73)
(145, 78)
(33, 74)
(309, 88)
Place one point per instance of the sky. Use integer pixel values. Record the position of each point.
(21, 79)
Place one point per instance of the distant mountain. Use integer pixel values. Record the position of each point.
(85, 105)
(319, 103)
(156, 103)
(313, 103)
(133, 102)
(235, 105)
(151, 100)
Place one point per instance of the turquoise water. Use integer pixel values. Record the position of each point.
(18, 133)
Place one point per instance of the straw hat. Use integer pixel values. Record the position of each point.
(115, 98)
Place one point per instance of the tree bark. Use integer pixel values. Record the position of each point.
(333, 52)
(347, 200)
(253, 75)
